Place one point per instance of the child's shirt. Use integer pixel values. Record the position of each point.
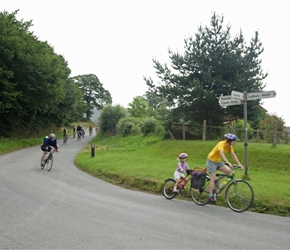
(181, 166)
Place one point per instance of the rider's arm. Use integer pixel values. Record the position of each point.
(224, 158)
(236, 159)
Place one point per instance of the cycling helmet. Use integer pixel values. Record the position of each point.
(231, 137)
(52, 135)
(183, 155)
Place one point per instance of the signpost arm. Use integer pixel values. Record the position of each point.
(246, 131)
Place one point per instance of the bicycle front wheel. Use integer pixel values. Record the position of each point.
(168, 189)
(49, 162)
(239, 196)
(200, 196)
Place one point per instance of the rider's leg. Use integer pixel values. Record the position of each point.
(177, 177)
(212, 176)
(226, 170)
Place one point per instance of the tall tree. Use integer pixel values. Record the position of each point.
(212, 64)
(94, 94)
(32, 77)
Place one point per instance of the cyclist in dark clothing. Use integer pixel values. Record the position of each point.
(79, 130)
(48, 141)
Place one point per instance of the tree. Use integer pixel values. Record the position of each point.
(32, 78)
(138, 107)
(270, 124)
(212, 64)
(94, 94)
(109, 118)
(72, 107)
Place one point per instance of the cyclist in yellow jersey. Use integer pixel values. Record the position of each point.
(217, 160)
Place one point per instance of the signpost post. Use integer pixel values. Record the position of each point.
(237, 98)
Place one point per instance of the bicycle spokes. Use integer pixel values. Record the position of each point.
(239, 196)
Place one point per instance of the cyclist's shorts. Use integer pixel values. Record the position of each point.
(212, 166)
(178, 175)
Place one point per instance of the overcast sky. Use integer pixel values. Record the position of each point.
(116, 40)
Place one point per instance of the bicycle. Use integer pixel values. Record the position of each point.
(79, 135)
(239, 194)
(169, 185)
(48, 161)
(65, 139)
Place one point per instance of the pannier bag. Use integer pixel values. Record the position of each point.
(198, 178)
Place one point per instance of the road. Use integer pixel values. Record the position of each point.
(68, 209)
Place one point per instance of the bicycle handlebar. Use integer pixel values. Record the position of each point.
(235, 166)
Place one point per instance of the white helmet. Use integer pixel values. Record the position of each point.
(52, 135)
(183, 155)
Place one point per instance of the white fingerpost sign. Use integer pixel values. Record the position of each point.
(228, 100)
(238, 95)
(237, 98)
(260, 95)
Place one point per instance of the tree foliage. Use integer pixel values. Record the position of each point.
(35, 89)
(94, 94)
(213, 63)
(109, 118)
(32, 77)
(138, 107)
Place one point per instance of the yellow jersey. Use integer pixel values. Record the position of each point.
(221, 146)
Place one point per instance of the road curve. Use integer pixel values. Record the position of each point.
(69, 209)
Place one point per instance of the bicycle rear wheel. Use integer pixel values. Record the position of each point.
(200, 196)
(239, 196)
(49, 162)
(168, 189)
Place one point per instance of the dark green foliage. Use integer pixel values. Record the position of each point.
(148, 126)
(35, 89)
(109, 118)
(213, 63)
(32, 78)
(94, 94)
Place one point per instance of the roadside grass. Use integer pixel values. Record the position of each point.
(143, 163)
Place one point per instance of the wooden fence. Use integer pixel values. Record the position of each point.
(190, 132)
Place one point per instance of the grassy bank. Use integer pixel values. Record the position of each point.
(143, 163)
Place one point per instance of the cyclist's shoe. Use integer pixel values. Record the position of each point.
(212, 199)
(175, 190)
(42, 164)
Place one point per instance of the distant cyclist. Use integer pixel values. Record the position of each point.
(65, 138)
(91, 129)
(48, 141)
(74, 131)
(79, 130)
(64, 132)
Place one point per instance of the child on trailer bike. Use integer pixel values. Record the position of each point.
(48, 141)
(180, 171)
(214, 161)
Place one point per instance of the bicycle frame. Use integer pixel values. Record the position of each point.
(230, 178)
(239, 195)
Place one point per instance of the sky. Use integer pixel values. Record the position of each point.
(117, 40)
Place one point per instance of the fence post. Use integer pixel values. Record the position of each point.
(204, 130)
(275, 135)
